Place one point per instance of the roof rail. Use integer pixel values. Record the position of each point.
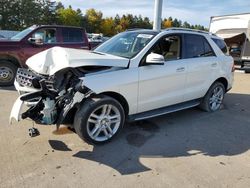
(187, 29)
(134, 29)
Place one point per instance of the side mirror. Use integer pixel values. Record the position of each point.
(155, 59)
(36, 41)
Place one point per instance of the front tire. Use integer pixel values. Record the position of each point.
(213, 98)
(99, 120)
(7, 73)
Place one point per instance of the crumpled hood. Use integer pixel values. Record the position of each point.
(54, 59)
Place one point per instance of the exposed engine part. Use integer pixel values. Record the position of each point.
(49, 112)
(53, 104)
(77, 98)
(34, 132)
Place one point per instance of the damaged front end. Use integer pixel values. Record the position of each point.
(54, 85)
(54, 97)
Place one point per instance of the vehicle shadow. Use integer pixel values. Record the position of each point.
(9, 88)
(181, 134)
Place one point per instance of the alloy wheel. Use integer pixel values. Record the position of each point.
(103, 122)
(216, 98)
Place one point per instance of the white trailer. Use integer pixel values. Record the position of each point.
(235, 30)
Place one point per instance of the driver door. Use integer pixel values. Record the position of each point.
(163, 85)
(48, 38)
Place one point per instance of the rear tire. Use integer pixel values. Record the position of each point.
(7, 73)
(247, 71)
(99, 120)
(213, 98)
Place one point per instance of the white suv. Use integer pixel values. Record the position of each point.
(135, 75)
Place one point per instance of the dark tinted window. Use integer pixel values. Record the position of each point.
(208, 49)
(197, 46)
(72, 35)
(221, 44)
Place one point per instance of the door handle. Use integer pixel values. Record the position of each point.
(181, 69)
(84, 47)
(213, 64)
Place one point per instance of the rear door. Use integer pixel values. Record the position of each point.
(202, 65)
(73, 38)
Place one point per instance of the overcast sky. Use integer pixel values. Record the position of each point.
(193, 11)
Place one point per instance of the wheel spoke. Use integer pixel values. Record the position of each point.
(106, 133)
(211, 100)
(219, 101)
(220, 93)
(94, 116)
(97, 133)
(109, 129)
(108, 110)
(104, 109)
(213, 105)
(94, 130)
(90, 120)
(114, 119)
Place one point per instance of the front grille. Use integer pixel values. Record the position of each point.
(25, 76)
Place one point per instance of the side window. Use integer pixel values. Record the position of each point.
(197, 46)
(221, 44)
(208, 51)
(169, 47)
(45, 36)
(72, 35)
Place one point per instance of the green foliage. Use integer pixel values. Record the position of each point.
(19, 14)
(94, 20)
(69, 17)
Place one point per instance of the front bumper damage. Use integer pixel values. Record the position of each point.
(16, 110)
(51, 107)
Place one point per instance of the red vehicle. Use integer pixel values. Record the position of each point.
(15, 51)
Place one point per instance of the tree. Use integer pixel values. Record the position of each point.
(124, 23)
(19, 14)
(69, 16)
(166, 23)
(176, 23)
(49, 15)
(108, 26)
(186, 25)
(94, 20)
(118, 29)
(59, 5)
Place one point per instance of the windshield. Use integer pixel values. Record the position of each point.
(127, 44)
(22, 34)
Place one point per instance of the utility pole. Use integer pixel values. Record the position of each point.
(157, 15)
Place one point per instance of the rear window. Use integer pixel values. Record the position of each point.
(197, 46)
(221, 44)
(72, 35)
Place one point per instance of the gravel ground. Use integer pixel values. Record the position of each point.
(190, 148)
